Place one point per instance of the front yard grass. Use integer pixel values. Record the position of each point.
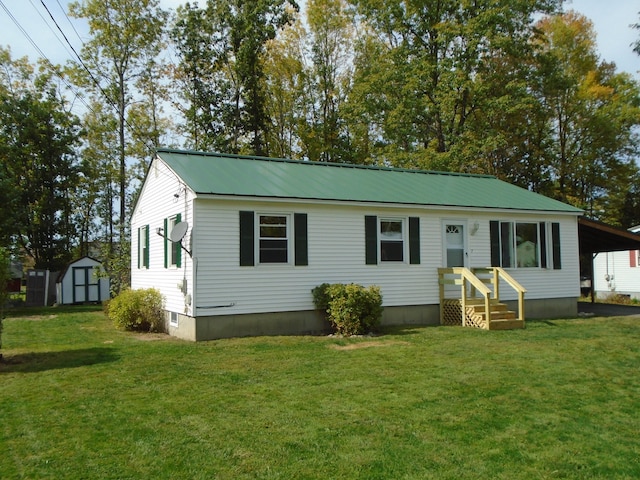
(559, 399)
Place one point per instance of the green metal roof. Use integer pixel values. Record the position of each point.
(221, 174)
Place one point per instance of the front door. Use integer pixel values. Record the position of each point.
(455, 254)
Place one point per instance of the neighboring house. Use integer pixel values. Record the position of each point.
(618, 272)
(82, 281)
(258, 234)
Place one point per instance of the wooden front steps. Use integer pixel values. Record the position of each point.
(469, 309)
(501, 317)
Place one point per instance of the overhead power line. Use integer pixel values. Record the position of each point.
(96, 82)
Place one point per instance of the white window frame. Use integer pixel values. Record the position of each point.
(404, 234)
(143, 242)
(259, 238)
(173, 319)
(513, 247)
(171, 246)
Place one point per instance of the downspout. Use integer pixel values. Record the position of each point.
(591, 279)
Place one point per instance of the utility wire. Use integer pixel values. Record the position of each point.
(43, 56)
(50, 28)
(64, 11)
(96, 82)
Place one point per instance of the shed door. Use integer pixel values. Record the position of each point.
(86, 285)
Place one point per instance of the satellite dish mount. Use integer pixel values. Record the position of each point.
(178, 232)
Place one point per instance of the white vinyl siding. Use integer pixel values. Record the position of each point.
(613, 273)
(162, 196)
(336, 253)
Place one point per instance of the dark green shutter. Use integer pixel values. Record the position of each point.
(543, 245)
(166, 243)
(177, 246)
(139, 259)
(300, 239)
(414, 240)
(371, 239)
(555, 241)
(494, 234)
(147, 263)
(247, 248)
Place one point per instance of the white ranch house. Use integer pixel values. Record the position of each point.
(258, 234)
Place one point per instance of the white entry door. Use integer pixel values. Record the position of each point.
(455, 254)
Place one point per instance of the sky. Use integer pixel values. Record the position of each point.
(611, 18)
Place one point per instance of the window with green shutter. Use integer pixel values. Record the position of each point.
(172, 250)
(525, 244)
(143, 247)
(273, 238)
(386, 239)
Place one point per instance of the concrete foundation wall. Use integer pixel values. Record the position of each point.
(547, 308)
(312, 322)
(286, 323)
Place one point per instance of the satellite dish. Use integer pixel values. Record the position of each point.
(178, 231)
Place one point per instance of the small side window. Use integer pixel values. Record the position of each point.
(391, 240)
(143, 247)
(273, 243)
(172, 250)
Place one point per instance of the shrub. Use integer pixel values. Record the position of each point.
(137, 310)
(352, 309)
(321, 296)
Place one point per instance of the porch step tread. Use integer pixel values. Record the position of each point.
(499, 315)
(506, 324)
(495, 307)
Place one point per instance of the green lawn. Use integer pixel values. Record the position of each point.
(560, 399)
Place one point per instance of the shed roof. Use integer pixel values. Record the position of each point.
(237, 175)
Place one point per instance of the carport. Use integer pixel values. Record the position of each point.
(597, 237)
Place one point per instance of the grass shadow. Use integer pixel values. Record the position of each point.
(18, 312)
(33, 362)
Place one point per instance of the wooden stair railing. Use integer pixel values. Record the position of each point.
(477, 300)
(495, 274)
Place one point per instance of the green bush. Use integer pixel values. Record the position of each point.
(321, 296)
(352, 309)
(137, 310)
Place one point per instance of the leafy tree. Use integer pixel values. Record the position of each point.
(328, 80)
(285, 83)
(221, 51)
(5, 276)
(428, 73)
(592, 113)
(126, 37)
(204, 86)
(38, 140)
(97, 195)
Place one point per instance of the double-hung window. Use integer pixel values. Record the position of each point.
(273, 238)
(143, 247)
(388, 239)
(172, 250)
(391, 239)
(273, 243)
